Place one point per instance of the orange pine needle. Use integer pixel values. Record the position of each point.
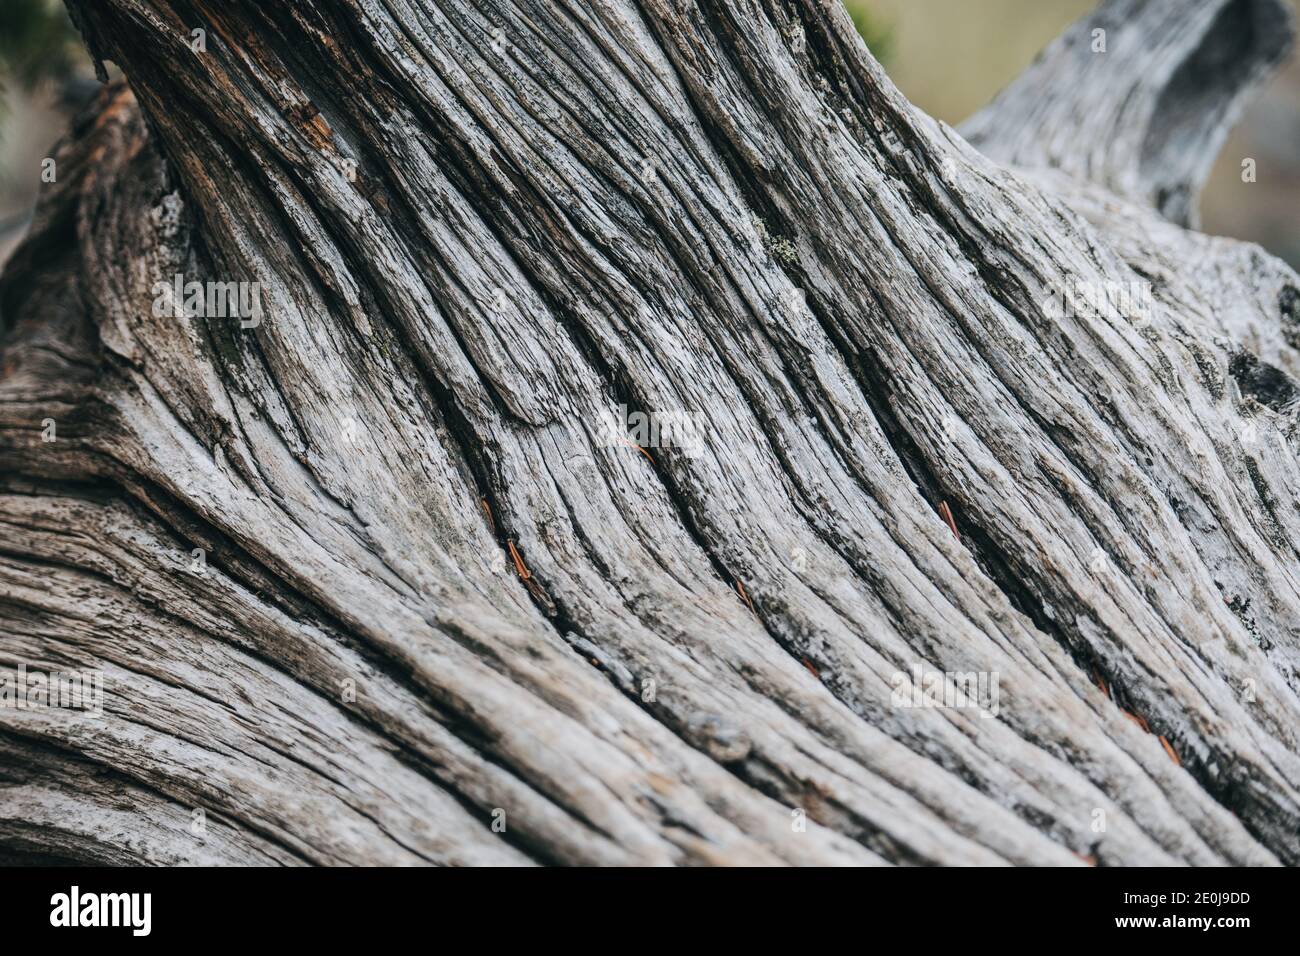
(741, 588)
(812, 670)
(487, 510)
(641, 450)
(520, 568)
(1170, 750)
(946, 512)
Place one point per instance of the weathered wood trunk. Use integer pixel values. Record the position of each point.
(370, 578)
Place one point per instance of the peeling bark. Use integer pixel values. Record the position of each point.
(436, 615)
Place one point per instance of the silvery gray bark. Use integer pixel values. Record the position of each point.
(370, 579)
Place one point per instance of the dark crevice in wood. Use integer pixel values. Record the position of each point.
(1265, 383)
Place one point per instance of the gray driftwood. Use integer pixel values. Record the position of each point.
(438, 617)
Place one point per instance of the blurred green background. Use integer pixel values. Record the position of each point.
(948, 56)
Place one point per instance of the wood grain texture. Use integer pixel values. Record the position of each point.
(435, 597)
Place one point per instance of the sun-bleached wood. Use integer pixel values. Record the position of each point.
(441, 618)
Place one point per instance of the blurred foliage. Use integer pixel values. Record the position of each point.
(878, 35)
(37, 42)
